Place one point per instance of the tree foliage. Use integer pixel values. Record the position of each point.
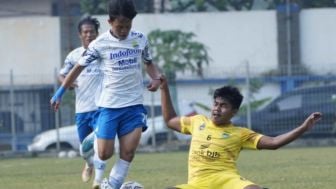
(100, 6)
(177, 51)
(226, 5)
(94, 6)
(304, 3)
(206, 5)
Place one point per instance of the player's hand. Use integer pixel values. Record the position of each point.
(154, 84)
(55, 101)
(164, 82)
(312, 119)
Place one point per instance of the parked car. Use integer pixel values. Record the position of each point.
(291, 109)
(69, 139)
(47, 140)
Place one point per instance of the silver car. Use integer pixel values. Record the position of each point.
(69, 140)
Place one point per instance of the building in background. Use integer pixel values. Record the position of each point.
(15, 8)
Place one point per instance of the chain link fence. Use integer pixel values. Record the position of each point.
(272, 105)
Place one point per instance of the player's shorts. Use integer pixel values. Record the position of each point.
(120, 121)
(86, 123)
(219, 181)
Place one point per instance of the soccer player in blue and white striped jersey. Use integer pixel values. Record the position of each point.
(120, 53)
(86, 86)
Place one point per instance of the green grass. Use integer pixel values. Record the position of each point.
(290, 168)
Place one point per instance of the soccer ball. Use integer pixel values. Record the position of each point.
(72, 154)
(87, 146)
(131, 185)
(62, 154)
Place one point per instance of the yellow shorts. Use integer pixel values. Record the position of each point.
(219, 181)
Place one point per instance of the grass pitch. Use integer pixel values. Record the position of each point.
(290, 168)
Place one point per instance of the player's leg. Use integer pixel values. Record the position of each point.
(107, 124)
(87, 153)
(131, 126)
(128, 144)
(90, 144)
(83, 130)
(100, 166)
(232, 181)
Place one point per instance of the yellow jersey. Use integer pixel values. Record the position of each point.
(214, 150)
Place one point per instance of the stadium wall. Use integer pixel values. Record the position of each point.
(30, 46)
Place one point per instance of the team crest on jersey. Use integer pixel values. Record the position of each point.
(226, 135)
(201, 127)
(135, 44)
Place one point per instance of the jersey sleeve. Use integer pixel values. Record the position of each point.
(69, 63)
(186, 125)
(146, 54)
(90, 55)
(250, 138)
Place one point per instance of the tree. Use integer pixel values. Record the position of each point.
(100, 6)
(176, 51)
(94, 6)
(303, 3)
(206, 5)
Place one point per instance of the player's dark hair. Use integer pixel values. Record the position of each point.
(231, 94)
(125, 8)
(90, 21)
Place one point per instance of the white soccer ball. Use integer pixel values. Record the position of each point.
(131, 185)
(72, 154)
(62, 154)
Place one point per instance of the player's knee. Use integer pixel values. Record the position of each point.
(127, 155)
(105, 155)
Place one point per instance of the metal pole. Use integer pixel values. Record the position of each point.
(153, 121)
(12, 109)
(57, 114)
(248, 96)
(289, 38)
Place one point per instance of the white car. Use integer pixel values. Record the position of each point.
(68, 137)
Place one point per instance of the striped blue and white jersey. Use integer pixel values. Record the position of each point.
(121, 64)
(88, 82)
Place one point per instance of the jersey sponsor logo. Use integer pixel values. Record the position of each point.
(125, 53)
(92, 70)
(126, 64)
(204, 146)
(205, 154)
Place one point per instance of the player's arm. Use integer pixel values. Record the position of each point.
(273, 143)
(168, 111)
(151, 69)
(69, 63)
(90, 55)
(68, 80)
(61, 79)
(154, 74)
